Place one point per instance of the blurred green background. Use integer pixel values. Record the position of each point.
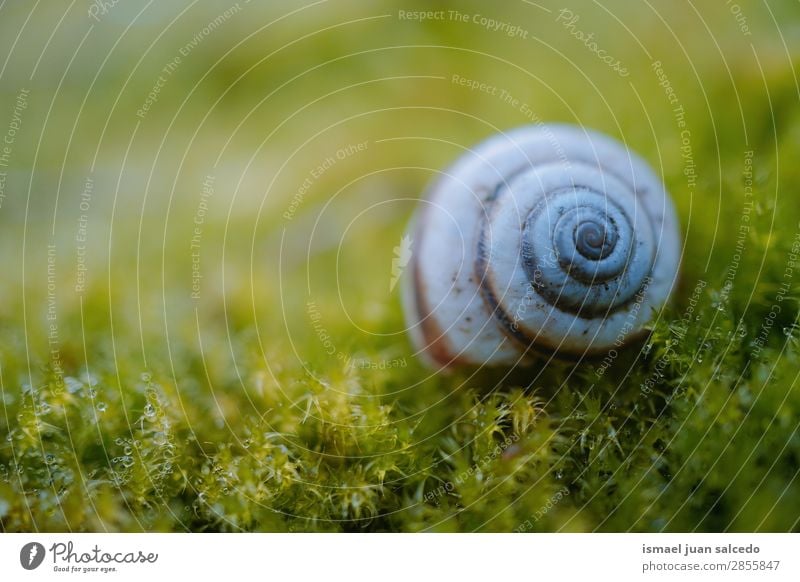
(183, 178)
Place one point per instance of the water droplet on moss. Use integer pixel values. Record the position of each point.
(149, 410)
(102, 406)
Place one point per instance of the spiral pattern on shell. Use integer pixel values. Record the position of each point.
(550, 238)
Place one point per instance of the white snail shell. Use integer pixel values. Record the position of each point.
(549, 238)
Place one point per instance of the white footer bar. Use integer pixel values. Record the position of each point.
(401, 557)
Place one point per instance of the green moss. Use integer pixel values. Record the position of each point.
(230, 412)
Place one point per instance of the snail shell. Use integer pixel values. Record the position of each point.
(548, 238)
